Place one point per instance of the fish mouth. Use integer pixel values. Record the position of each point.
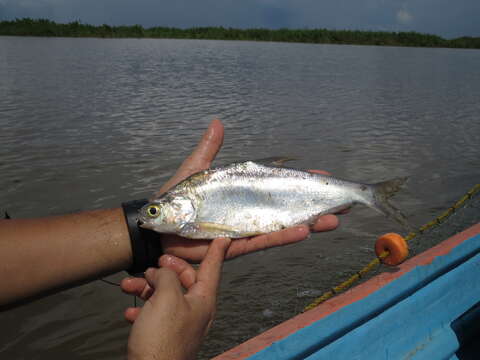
(141, 223)
(144, 225)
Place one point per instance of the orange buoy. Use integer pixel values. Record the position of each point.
(395, 245)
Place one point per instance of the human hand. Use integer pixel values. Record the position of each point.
(194, 250)
(172, 324)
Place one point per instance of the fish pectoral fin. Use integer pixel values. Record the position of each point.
(226, 230)
(189, 228)
(214, 227)
(215, 230)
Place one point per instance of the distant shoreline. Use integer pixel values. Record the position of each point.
(43, 27)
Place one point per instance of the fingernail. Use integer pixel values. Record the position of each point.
(210, 126)
(320, 220)
(210, 129)
(301, 228)
(126, 280)
(167, 259)
(149, 270)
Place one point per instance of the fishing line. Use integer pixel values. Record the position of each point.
(117, 284)
(465, 211)
(109, 282)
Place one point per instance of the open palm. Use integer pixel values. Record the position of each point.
(194, 250)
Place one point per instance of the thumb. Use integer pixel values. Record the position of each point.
(165, 281)
(201, 157)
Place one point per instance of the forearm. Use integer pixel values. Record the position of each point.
(41, 255)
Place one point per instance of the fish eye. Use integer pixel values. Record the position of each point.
(153, 211)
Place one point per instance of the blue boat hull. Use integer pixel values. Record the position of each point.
(429, 311)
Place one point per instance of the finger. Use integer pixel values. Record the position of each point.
(132, 285)
(325, 223)
(192, 251)
(278, 238)
(136, 286)
(208, 275)
(184, 270)
(202, 157)
(131, 314)
(164, 281)
(206, 150)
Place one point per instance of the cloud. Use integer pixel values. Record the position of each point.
(404, 17)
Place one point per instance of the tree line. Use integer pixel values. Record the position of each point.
(44, 27)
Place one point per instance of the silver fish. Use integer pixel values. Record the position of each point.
(248, 198)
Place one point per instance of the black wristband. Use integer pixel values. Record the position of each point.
(146, 244)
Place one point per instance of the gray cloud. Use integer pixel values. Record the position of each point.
(443, 17)
(404, 17)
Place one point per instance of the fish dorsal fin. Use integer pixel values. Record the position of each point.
(277, 161)
(274, 160)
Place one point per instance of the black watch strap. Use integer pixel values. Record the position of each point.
(146, 244)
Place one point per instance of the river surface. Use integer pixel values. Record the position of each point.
(89, 123)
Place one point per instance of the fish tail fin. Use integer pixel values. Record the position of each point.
(384, 190)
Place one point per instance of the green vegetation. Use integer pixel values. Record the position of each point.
(42, 27)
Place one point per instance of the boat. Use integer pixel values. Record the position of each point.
(428, 308)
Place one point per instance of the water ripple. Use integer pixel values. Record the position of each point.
(88, 123)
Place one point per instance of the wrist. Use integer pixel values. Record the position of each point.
(146, 244)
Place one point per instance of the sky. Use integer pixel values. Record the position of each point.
(447, 18)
